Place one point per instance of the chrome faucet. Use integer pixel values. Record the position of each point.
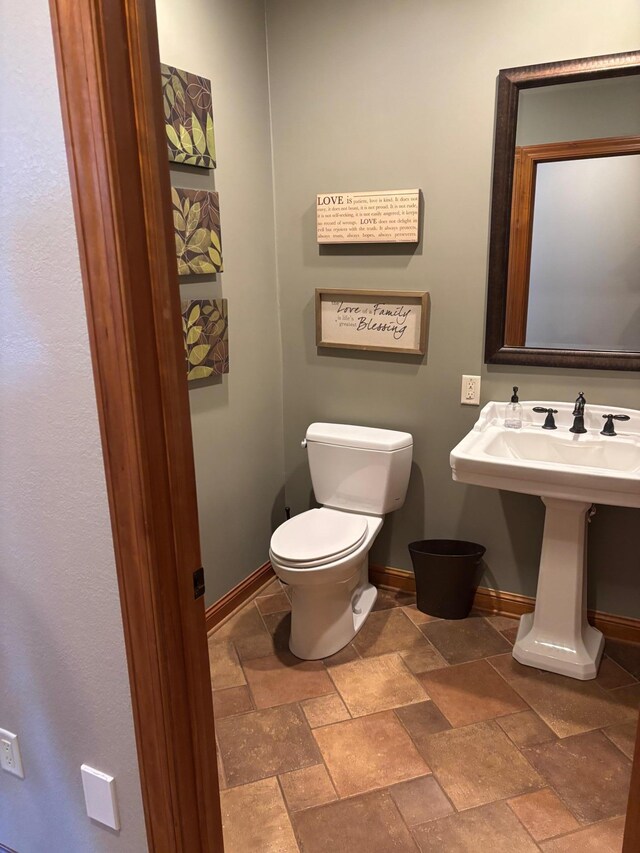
(578, 415)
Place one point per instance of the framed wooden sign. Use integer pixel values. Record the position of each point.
(387, 216)
(379, 320)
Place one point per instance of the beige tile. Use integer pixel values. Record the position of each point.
(308, 787)
(490, 828)
(376, 684)
(503, 623)
(526, 728)
(388, 598)
(605, 837)
(510, 635)
(478, 764)
(233, 700)
(283, 678)
(543, 814)
(325, 710)
(276, 603)
(471, 692)
(626, 654)
(265, 743)
(222, 779)
(254, 817)
(279, 627)
(566, 705)
(422, 719)
(590, 774)
(254, 646)
(420, 800)
(345, 655)
(423, 658)
(627, 698)
(244, 623)
(286, 588)
(270, 589)
(417, 616)
(387, 631)
(367, 753)
(463, 640)
(224, 665)
(624, 737)
(611, 675)
(366, 824)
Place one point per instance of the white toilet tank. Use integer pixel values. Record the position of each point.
(359, 468)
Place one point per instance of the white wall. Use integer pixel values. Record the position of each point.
(63, 678)
(237, 419)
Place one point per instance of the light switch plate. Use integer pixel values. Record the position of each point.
(100, 796)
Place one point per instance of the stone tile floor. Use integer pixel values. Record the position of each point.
(422, 735)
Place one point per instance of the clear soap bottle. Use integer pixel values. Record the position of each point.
(513, 417)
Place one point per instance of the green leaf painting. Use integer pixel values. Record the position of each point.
(196, 222)
(188, 117)
(206, 338)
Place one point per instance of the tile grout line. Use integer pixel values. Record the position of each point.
(546, 783)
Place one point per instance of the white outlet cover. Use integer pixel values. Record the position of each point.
(100, 796)
(10, 758)
(470, 390)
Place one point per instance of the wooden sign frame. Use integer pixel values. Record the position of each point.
(417, 298)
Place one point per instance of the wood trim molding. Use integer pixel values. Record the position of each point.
(526, 161)
(501, 603)
(108, 71)
(239, 595)
(390, 578)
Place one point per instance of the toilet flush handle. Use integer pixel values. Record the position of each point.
(303, 443)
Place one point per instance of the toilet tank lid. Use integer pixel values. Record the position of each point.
(368, 438)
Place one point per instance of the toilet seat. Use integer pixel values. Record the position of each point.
(318, 536)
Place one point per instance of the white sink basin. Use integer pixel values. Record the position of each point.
(554, 463)
(570, 473)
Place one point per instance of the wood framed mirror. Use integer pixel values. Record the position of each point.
(564, 259)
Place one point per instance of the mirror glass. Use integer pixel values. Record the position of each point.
(564, 266)
(584, 278)
(584, 265)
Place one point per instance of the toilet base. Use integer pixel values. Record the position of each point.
(325, 618)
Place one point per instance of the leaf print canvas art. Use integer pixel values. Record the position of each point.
(188, 116)
(206, 337)
(196, 222)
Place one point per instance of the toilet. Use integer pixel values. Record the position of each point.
(359, 474)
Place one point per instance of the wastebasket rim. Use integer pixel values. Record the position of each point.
(422, 544)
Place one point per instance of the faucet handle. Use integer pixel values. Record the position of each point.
(549, 422)
(608, 428)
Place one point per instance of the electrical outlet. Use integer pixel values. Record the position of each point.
(10, 759)
(470, 393)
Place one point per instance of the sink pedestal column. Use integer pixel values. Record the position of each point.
(556, 636)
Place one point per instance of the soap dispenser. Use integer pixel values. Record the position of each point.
(513, 417)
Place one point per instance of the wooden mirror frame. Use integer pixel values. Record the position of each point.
(510, 81)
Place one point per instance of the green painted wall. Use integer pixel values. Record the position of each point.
(370, 95)
(236, 419)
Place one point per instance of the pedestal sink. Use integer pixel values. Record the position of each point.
(570, 473)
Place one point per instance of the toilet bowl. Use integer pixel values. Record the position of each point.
(358, 474)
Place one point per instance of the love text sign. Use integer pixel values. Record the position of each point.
(389, 216)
